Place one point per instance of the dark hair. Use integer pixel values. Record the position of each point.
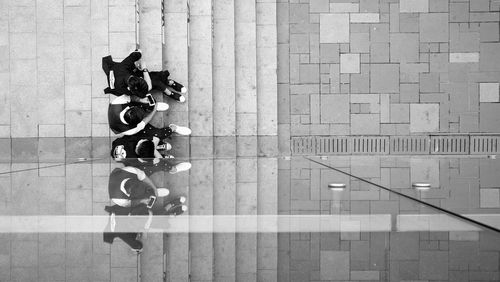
(138, 86)
(134, 115)
(146, 149)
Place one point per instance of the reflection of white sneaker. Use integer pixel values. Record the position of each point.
(181, 130)
(161, 106)
(165, 146)
(162, 192)
(180, 167)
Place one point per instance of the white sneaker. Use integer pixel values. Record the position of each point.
(182, 99)
(181, 130)
(180, 167)
(166, 146)
(162, 192)
(184, 90)
(161, 106)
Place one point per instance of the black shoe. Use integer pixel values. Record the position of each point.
(175, 202)
(177, 210)
(177, 86)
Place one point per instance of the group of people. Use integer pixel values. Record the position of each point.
(142, 147)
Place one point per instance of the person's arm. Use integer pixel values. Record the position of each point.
(129, 62)
(134, 130)
(148, 181)
(149, 117)
(147, 78)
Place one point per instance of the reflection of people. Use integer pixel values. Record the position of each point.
(151, 166)
(130, 187)
(113, 228)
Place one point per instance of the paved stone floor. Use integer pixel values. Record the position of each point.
(388, 67)
(346, 67)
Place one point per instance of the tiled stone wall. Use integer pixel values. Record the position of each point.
(388, 67)
(466, 186)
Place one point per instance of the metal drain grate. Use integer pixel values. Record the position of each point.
(332, 145)
(485, 145)
(403, 145)
(304, 145)
(450, 145)
(370, 145)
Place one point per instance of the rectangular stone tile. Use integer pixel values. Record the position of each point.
(360, 42)
(51, 9)
(309, 73)
(344, 7)
(78, 123)
(464, 57)
(334, 265)
(484, 17)
(489, 92)
(334, 108)
(77, 45)
(433, 265)
(489, 118)
(77, 19)
(18, 69)
(79, 202)
(414, 6)
(365, 18)
(365, 124)
(23, 45)
(489, 198)
(434, 27)
(349, 63)
(379, 53)
(299, 43)
(490, 57)
(320, 6)
(404, 47)
(379, 32)
(77, 97)
(22, 19)
(424, 117)
(400, 113)
(394, 17)
(77, 71)
(384, 78)
(489, 32)
(51, 130)
(334, 28)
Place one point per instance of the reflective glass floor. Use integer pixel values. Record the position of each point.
(342, 218)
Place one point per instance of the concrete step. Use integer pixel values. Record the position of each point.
(267, 80)
(245, 68)
(224, 101)
(175, 60)
(150, 33)
(225, 204)
(267, 199)
(246, 204)
(200, 68)
(201, 203)
(175, 57)
(122, 28)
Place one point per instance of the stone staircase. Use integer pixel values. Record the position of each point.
(225, 53)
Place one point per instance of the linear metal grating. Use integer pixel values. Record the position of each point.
(396, 145)
(304, 145)
(485, 144)
(404, 145)
(332, 145)
(450, 145)
(370, 145)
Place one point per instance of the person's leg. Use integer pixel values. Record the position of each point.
(130, 239)
(151, 131)
(162, 83)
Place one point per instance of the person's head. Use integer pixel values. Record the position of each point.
(146, 149)
(138, 86)
(134, 115)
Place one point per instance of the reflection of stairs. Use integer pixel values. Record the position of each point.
(226, 56)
